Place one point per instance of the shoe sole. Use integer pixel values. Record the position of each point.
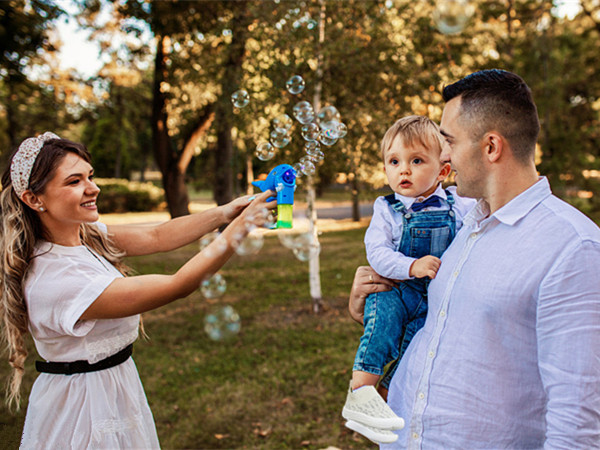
(391, 423)
(378, 437)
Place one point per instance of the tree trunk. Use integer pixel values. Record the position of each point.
(223, 188)
(314, 265)
(355, 199)
(119, 149)
(249, 174)
(224, 156)
(166, 158)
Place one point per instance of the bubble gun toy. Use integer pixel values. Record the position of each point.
(281, 179)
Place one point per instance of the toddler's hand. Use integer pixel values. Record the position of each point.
(427, 266)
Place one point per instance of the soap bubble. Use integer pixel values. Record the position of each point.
(310, 132)
(207, 239)
(295, 239)
(316, 155)
(451, 16)
(214, 287)
(295, 85)
(327, 141)
(270, 220)
(304, 244)
(283, 122)
(279, 137)
(250, 245)
(308, 167)
(298, 168)
(342, 130)
(240, 98)
(330, 130)
(328, 117)
(304, 112)
(305, 253)
(311, 146)
(222, 323)
(264, 151)
(262, 218)
(219, 246)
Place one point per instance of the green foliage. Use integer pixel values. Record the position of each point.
(26, 107)
(380, 61)
(119, 134)
(119, 195)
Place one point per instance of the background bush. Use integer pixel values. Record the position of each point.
(119, 195)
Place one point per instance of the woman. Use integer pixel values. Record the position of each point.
(63, 280)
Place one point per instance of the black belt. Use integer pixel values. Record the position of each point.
(69, 368)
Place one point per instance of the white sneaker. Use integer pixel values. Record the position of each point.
(366, 406)
(376, 435)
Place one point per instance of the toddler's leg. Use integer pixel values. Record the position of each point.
(384, 319)
(378, 345)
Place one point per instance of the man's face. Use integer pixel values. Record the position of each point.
(464, 154)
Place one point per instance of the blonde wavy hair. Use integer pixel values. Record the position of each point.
(20, 230)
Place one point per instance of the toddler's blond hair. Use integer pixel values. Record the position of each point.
(414, 130)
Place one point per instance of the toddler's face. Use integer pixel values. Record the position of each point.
(413, 171)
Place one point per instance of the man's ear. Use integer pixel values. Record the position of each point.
(494, 146)
(32, 200)
(444, 172)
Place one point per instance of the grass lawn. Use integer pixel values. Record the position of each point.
(280, 383)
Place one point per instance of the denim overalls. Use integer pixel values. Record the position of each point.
(392, 318)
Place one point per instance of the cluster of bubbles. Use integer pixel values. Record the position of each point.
(302, 243)
(318, 129)
(452, 16)
(222, 322)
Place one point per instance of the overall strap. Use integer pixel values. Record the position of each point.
(396, 204)
(449, 198)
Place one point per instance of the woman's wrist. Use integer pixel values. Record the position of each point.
(225, 214)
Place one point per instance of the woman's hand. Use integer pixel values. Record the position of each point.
(366, 281)
(254, 213)
(235, 207)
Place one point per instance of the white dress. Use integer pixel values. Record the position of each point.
(99, 410)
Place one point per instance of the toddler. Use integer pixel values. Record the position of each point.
(409, 231)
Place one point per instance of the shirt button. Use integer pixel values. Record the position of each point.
(421, 395)
(455, 274)
(431, 353)
(473, 235)
(442, 313)
(415, 436)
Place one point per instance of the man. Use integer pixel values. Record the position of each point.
(509, 356)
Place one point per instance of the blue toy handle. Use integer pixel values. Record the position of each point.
(281, 179)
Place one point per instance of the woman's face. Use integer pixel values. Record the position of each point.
(69, 199)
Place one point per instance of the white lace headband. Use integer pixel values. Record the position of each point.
(22, 162)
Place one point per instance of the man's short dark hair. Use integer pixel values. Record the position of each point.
(501, 101)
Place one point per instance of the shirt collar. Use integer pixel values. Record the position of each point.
(514, 210)
(408, 201)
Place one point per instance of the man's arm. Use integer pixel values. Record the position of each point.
(366, 281)
(568, 330)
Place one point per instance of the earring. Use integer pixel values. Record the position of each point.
(42, 209)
